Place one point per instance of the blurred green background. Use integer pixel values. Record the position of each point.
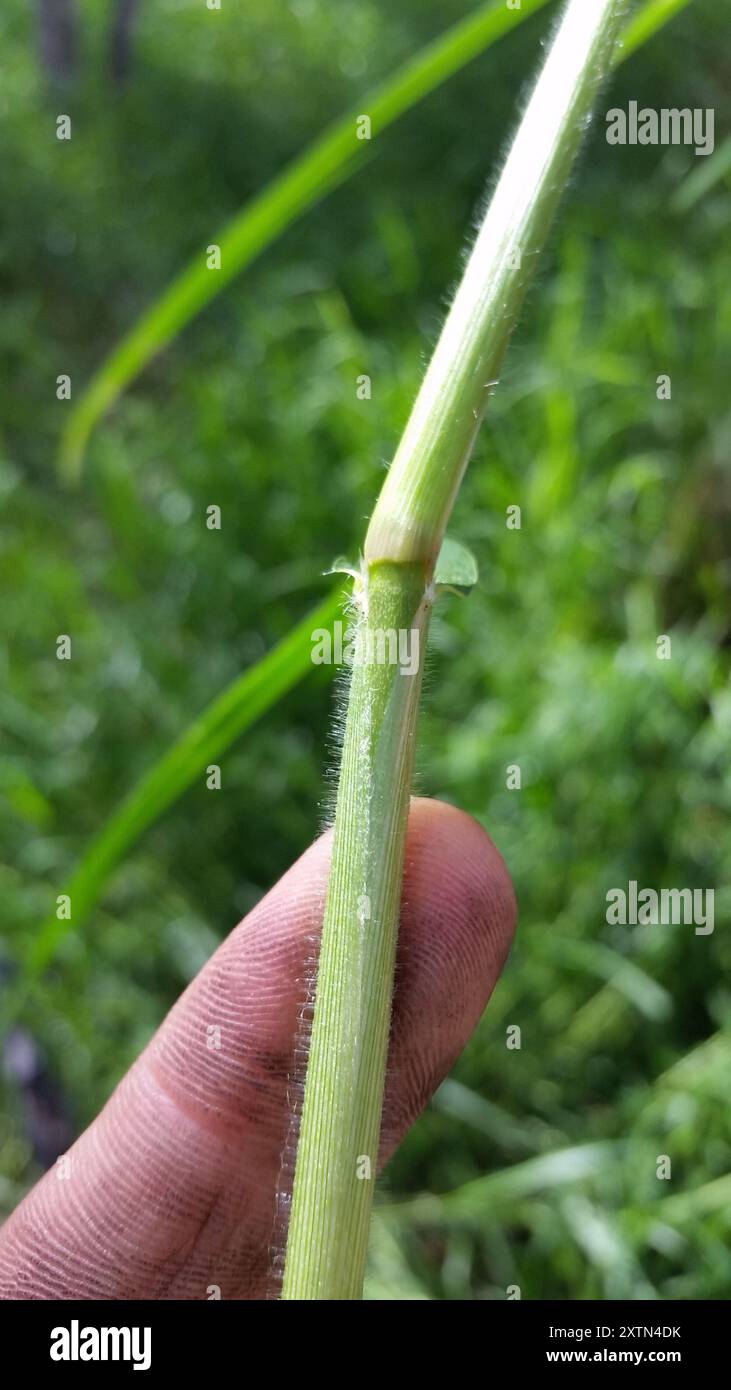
(551, 664)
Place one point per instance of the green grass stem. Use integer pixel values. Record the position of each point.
(341, 1114)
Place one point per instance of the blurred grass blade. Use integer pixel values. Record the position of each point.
(704, 178)
(330, 159)
(484, 1116)
(706, 1066)
(647, 21)
(390, 1276)
(220, 724)
(624, 975)
(491, 1196)
(714, 1196)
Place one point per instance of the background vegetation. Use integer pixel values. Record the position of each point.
(546, 1157)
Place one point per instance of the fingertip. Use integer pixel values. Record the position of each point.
(451, 859)
(457, 923)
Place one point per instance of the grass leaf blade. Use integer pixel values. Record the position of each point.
(324, 164)
(220, 724)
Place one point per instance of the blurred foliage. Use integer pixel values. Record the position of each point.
(545, 1156)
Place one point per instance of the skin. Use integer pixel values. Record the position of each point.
(173, 1188)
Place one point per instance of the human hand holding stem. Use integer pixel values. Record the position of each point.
(173, 1191)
